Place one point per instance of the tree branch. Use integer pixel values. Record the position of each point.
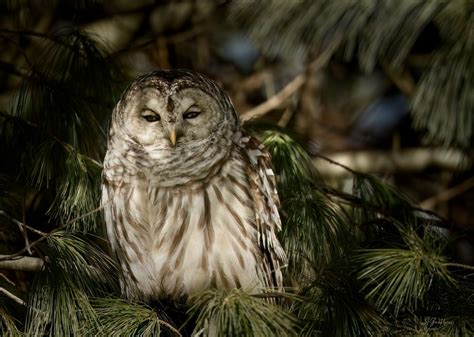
(274, 101)
(26, 263)
(448, 194)
(415, 159)
(354, 201)
(284, 94)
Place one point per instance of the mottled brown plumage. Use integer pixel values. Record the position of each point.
(190, 202)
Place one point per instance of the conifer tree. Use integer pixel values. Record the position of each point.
(363, 261)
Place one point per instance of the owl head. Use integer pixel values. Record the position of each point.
(170, 109)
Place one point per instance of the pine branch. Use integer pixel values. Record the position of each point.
(48, 235)
(357, 202)
(68, 147)
(237, 313)
(399, 277)
(60, 295)
(121, 318)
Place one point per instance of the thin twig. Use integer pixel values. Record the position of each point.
(10, 68)
(286, 117)
(24, 32)
(24, 250)
(336, 163)
(86, 214)
(7, 280)
(21, 50)
(459, 265)
(47, 235)
(170, 327)
(21, 228)
(283, 95)
(354, 201)
(68, 147)
(448, 194)
(174, 39)
(21, 224)
(13, 297)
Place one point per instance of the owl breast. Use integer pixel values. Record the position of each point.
(177, 241)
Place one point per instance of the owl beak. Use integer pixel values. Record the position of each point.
(172, 136)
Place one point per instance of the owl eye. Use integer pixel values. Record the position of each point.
(151, 116)
(191, 114)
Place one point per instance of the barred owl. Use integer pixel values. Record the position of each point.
(190, 201)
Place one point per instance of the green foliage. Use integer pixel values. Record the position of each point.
(363, 261)
(79, 189)
(56, 129)
(121, 318)
(237, 313)
(76, 270)
(8, 326)
(293, 164)
(399, 277)
(316, 233)
(334, 307)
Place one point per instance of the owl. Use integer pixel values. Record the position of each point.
(190, 200)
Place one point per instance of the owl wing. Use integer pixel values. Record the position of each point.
(266, 203)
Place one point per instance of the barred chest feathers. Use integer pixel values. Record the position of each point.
(178, 240)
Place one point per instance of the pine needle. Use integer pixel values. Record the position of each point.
(121, 318)
(401, 277)
(77, 269)
(8, 327)
(334, 307)
(237, 313)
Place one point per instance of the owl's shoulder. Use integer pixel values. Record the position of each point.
(254, 151)
(261, 177)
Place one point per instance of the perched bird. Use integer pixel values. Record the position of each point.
(190, 201)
